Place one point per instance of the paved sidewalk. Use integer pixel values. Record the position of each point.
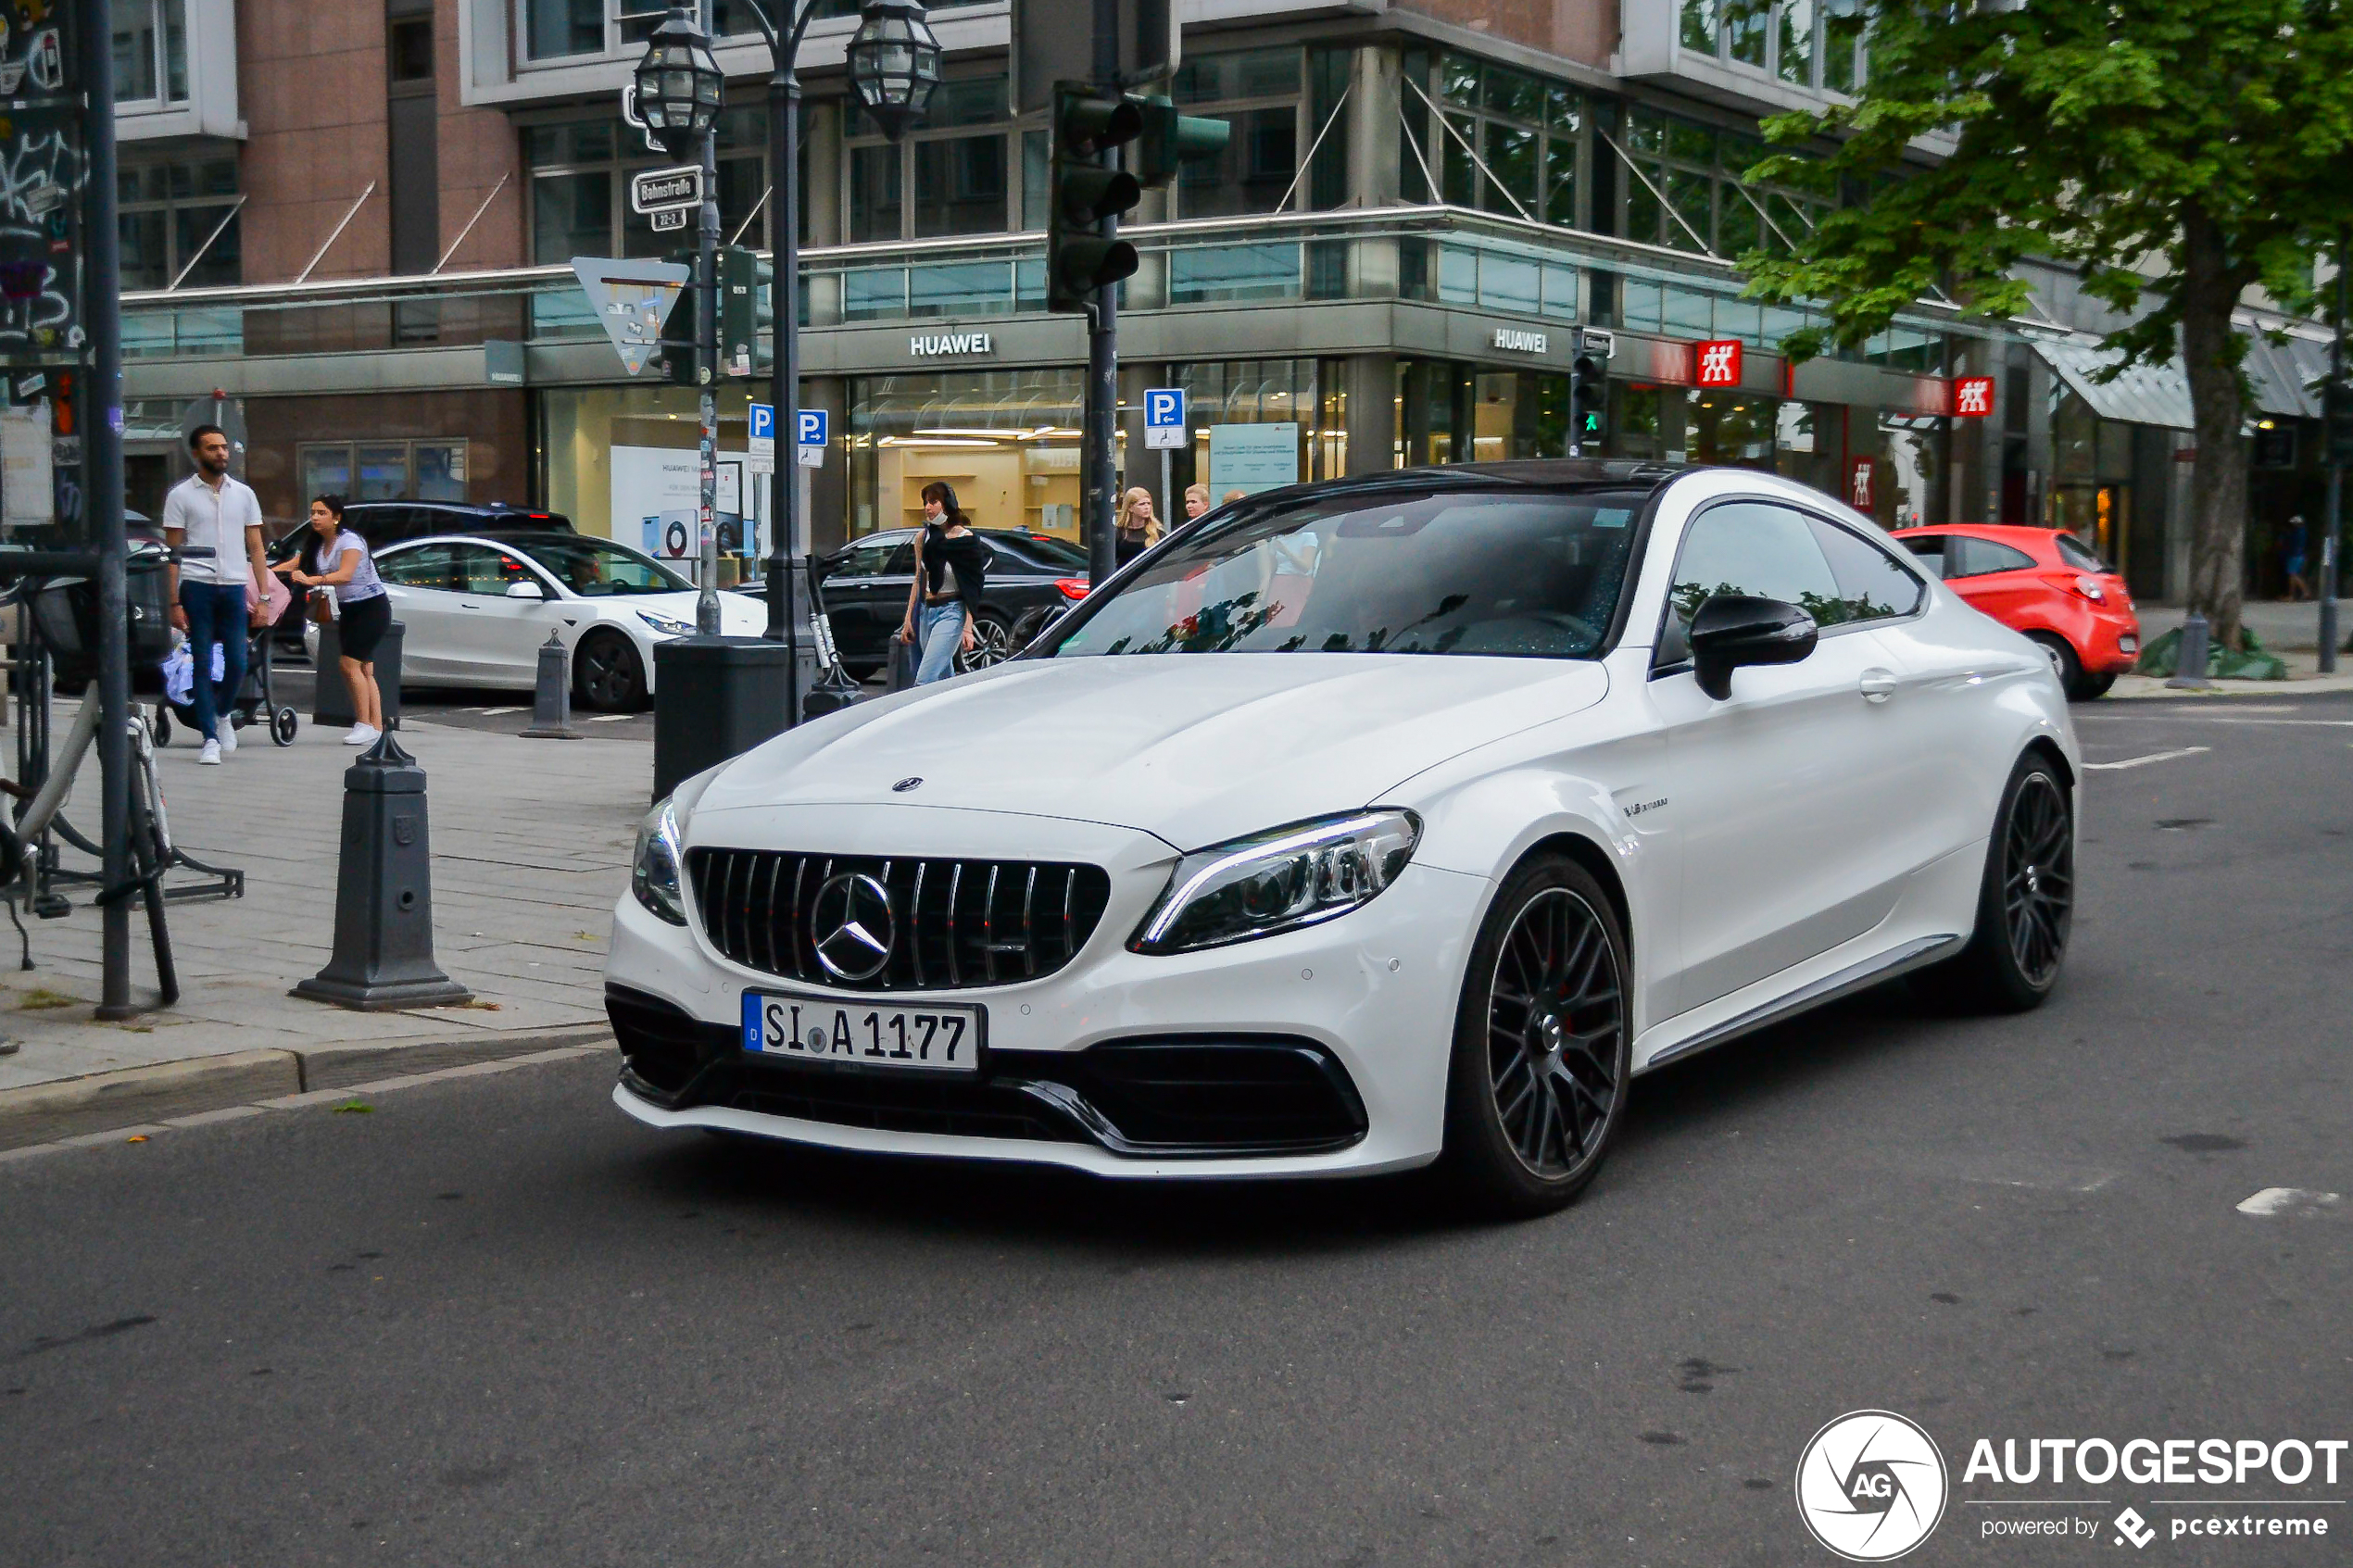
(531, 841)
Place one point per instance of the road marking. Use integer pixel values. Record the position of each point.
(496, 712)
(2292, 1203)
(611, 718)
(2152, 756)
(2229, 719)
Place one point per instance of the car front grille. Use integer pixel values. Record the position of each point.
(955, 923)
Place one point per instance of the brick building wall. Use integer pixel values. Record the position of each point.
(311, 79)
(1577, 30)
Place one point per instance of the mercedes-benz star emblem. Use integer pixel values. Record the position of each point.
(903, 786)
(853, 926)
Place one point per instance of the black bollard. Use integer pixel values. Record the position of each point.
(384, 892)
(552, 697)
(714, 699)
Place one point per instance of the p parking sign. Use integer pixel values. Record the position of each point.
(1164, 418)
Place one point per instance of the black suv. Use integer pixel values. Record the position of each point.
(389, 522)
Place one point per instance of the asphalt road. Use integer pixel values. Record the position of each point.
(492, 1322)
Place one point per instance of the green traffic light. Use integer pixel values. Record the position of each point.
(1168, 139)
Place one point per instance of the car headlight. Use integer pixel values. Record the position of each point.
(664, 625)
(1279, 879)
(653, 870)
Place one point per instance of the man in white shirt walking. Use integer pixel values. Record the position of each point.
(215, 596)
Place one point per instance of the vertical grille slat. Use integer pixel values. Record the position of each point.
(1028, 933)
(916, 922)
(756, 907)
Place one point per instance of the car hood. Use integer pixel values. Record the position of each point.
(1194, 749)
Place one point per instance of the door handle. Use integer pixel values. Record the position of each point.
(1877, 685)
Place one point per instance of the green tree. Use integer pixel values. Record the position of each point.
(2178, 152)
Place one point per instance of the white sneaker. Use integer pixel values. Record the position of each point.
(210, 755)
(362, 734)
(228, 736)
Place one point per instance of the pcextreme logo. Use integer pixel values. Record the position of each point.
(1872, 1485)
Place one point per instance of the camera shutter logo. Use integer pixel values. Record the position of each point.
(853, 925)
(1872, 1485)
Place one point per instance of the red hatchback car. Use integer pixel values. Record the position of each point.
(2045, 584)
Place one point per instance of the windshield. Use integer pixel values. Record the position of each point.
(599, 568)
(1513, 575)
(1041, 549)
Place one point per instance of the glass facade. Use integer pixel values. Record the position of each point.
(1007, 440)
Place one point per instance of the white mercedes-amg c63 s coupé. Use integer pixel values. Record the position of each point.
(1359, 826)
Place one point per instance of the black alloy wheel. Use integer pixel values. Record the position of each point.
(993, 644)
(608, 674)
(2026, 902)
(1542, 1048)
(2038, 878)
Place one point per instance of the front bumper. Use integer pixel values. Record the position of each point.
(1324, 1051)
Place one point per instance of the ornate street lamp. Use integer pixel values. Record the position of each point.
(894, 63)
(679, 84)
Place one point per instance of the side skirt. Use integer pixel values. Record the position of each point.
(1871, 972)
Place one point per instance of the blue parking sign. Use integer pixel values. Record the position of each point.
(1165, 406)
(763, 421)
(809, 428)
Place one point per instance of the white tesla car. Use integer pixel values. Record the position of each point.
(1358, 826)
(474, 611)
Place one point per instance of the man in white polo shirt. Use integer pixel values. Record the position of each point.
(215, 596)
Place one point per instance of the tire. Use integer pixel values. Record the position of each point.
(1033, 621)
(993, 644)
(160, 726)
(2064, 664)
(1521, 1078)
(2094, 687)
(2025, 902)
(607, 673)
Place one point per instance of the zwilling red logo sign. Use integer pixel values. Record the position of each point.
(1719, 362)
(1972, 396)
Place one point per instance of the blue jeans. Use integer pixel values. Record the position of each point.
(939, 633)
(215, 613)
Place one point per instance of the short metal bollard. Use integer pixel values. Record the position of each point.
(551, 697)
(384, 892)
(2190, 656)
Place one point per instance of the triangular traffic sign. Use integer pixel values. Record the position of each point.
(632, 298)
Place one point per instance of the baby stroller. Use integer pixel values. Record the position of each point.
(257, 699)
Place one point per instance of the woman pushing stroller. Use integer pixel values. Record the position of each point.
(336, 565)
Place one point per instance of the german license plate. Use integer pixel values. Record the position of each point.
(925, 1039)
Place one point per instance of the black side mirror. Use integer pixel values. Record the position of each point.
(1731, 629)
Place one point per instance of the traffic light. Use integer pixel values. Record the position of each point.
(1588, 408)
(741, 290)
(2336, 412)
(1169, 138)
(1079, 261)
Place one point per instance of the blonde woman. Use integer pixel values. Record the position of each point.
(1139, 527)
(1196, 501)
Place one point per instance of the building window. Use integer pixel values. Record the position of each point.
(947, 177)
(150, 52)
(1816, 44)
(558, 30)
(384, 471)
(580, 187)
(1688, 190)
(1512, 143)
(1255, 92)
(167, 212)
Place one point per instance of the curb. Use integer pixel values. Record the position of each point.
(133, 1098)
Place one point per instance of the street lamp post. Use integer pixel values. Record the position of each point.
(894, 65)
(679, 88)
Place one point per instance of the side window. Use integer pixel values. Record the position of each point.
(1933, 552)
(867, 560)
(1979, 557)
(902, 561)
(1871, 584)
(480, 569)
(426, 566)
(1747, 548)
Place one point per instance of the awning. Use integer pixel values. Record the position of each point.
(2283, 377)
(2146, 394)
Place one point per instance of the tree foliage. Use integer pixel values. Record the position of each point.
(2177, 153)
